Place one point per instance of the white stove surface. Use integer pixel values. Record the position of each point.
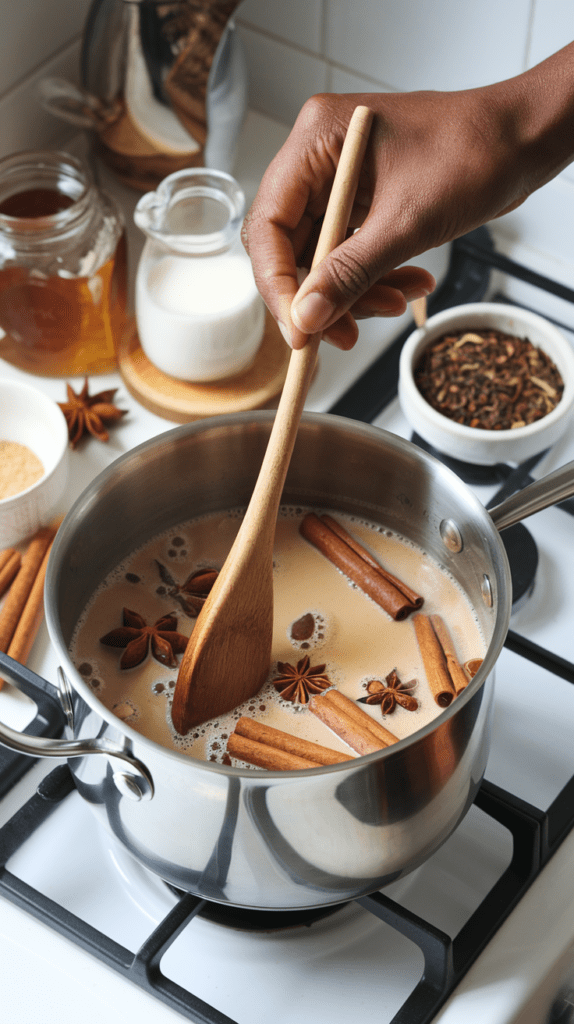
(349, 967)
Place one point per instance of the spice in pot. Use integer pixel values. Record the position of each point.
(337, 544)
(297, 682)
(311, 693)
(390, 693)
(20, 467)
(488, 380)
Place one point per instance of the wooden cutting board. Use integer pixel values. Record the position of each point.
(179, 401)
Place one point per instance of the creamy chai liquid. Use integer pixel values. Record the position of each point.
(355, 638)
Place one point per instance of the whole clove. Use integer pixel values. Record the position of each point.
(488, 379)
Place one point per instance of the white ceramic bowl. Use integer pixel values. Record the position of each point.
(470, 444)
(29, 417)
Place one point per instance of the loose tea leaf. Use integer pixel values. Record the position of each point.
(488, 379)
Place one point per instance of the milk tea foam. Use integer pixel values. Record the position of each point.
(355, 638)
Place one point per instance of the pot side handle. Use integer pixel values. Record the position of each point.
(550, 490)
(137, 778)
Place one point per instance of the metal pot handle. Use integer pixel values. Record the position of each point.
(136, 783)
(550, 490)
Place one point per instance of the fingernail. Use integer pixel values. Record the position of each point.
(285, 332)
(312, 312)
(415, 293)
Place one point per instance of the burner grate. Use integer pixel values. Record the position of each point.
(536, 834)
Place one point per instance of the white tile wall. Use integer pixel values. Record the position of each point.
(402, 44)
(411, 44)
(552, 28)
(295, 48)
(32, 31)
(282, 77)
(24, 124)
(429, 44)
(341, 80)
(296, 21)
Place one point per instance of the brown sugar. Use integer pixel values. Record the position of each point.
(19, 468)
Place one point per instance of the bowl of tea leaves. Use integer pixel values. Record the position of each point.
(487, 382)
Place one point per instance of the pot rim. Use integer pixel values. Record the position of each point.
(256, 775)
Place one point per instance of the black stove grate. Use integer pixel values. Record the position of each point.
(536, 834)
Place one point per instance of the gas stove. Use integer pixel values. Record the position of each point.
(482, 931)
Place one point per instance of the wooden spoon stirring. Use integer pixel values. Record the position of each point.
(229, 652)
(419, 311)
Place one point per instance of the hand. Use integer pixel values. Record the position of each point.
(437, 166)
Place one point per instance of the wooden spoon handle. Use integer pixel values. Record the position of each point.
(419, 311)
(267, 492)
(227, 658)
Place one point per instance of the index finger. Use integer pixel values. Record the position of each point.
(276, 232)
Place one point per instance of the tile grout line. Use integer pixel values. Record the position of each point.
(332, 65)
(27, 79)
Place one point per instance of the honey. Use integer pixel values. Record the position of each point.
(63, 272)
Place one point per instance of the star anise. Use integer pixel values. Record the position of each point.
(85, 412)
(297, 683)
(136, 636)
(192, 594)
(391, 694)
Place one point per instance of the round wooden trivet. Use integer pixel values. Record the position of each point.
(182, 402)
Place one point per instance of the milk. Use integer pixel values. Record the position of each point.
(355, 638)
(199, 318)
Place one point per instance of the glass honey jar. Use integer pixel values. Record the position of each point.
(63, 268)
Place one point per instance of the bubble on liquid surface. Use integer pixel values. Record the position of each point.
(308, 631)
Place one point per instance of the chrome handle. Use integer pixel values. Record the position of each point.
(137, 783)
(550, 490)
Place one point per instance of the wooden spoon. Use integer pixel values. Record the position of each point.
(419, 311)
(229, 652)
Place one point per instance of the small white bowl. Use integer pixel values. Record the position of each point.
(475, 445)
(29, 417)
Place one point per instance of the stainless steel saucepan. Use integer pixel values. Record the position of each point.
(275, 840)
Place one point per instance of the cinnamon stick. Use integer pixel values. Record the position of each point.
(258, 735)
(348, 707)
(472, 666)
(415, 599)
(349, 722)
(262, 756)
(10, 561)
(434, 661)
(20, 590)
(370, 580)
(459, 677)
(31, 617)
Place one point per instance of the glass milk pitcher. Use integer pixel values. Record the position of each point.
(200, 317)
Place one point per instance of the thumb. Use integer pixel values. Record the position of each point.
(338, 281)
